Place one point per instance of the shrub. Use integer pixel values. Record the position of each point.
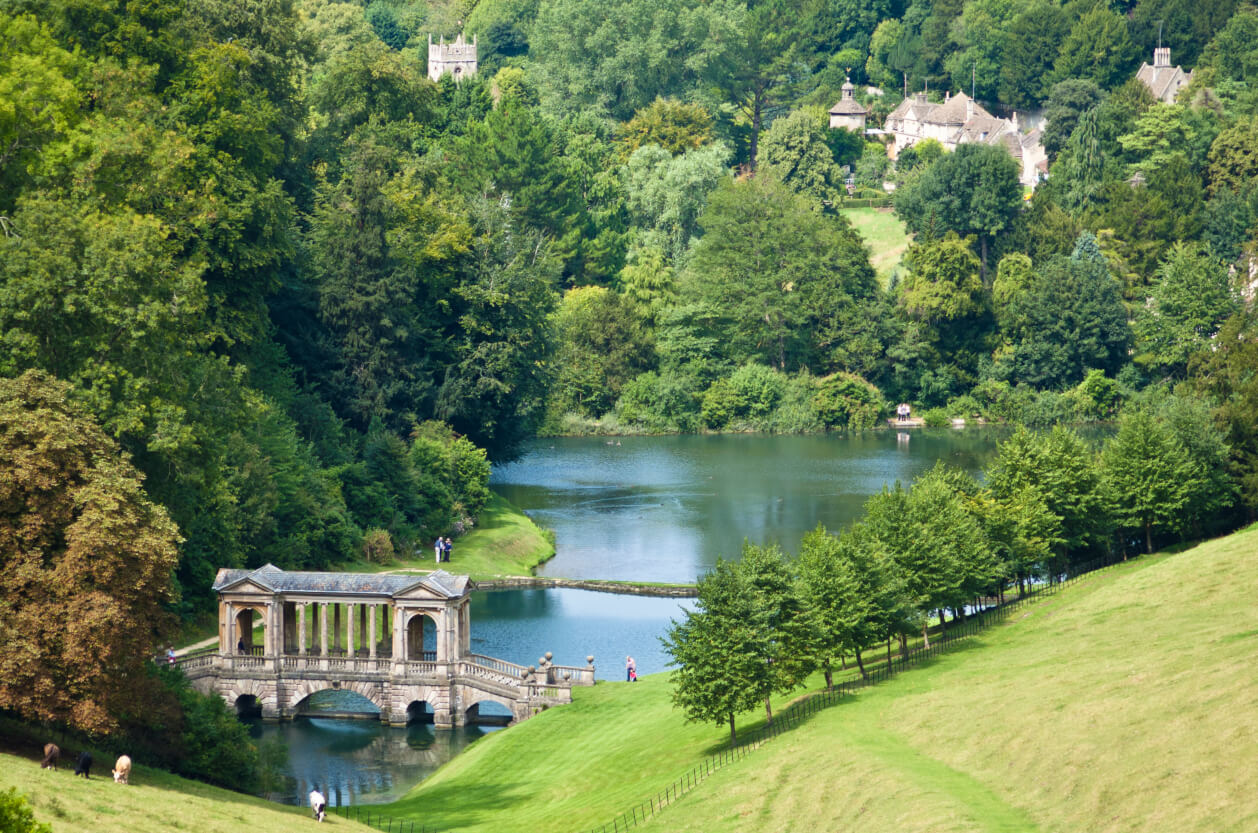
(748, 397)
(1096, 397)
(796, 413)
(965, 406)
(845, 400)
(377, 547)
(16, 815)
(936, 418)
(660, 402)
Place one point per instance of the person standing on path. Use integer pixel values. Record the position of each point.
(439, 548)
(631, 670)
(448, 546)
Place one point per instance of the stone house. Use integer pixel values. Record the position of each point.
(1162, 79)
(960, 120)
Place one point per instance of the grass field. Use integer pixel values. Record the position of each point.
(154, 802)
(1125, 703)
(884, 234)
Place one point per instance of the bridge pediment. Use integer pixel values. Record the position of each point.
(246, 586)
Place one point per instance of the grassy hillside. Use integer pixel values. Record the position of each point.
(884, 234)
(1125, 703)
(154, 802)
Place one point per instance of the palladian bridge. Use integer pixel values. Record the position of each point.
(401, 641)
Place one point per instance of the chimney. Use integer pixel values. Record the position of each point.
(1162, 57)
(921, 98)
(947, 96)
(969, 109)
(1015, 121)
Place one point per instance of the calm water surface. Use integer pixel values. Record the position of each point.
(665, 508)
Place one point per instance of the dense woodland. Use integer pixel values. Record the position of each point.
(267, 293)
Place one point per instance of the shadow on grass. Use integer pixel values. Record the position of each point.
(458, 804)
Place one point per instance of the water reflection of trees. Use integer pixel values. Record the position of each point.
(362, 761)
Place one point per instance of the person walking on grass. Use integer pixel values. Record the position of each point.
(448, 547)
(631, 670)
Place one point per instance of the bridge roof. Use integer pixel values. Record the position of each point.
(360, 584)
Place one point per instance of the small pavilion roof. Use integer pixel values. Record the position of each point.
(359, 584)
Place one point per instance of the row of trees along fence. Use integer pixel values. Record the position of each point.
(802, 710)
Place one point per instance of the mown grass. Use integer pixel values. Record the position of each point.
(883, 232)
(1126, 702)
(154, 802)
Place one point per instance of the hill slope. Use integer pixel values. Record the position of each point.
(1125, 703)
(154, 802)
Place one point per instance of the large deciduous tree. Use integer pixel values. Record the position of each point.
(974, 190)
(774, 270)
(87, 560)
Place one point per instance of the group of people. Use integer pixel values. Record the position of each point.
(442, 547)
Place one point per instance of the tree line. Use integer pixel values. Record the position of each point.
(944, 547)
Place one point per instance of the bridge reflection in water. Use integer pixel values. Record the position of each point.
(359, 761)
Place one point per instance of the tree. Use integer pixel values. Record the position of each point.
(795, 151)
(601, 346)
(1189, 303)
(943, 290)
(1061, 468)
(852, 595)
(1148, 474)
(1229, 374)
(1098, 47)
(16, 815)
(717, 650)
(666, 194)
(974, 190)
(1234, 157)
(1067, 101)
(779, 622)
(772, 268)
(1033, 41)
(88, 560)
(674, 125)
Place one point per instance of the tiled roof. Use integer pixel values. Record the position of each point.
(848, 107)
(1163, 82)
(361, 584)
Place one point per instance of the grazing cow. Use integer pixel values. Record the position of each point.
(52, 753)
(122, 769)
(84, 765)
(318, 804)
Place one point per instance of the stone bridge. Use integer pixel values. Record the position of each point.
(399, 641)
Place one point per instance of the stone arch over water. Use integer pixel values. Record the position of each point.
(306, 688)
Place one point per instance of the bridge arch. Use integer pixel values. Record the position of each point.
(305, 688)
(256, 695)
(420, 711)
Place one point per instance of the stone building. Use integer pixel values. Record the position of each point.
(1162, 79)
(961, 120)
(458, 58)
(848, 113)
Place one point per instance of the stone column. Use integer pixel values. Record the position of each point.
(399, 635)
(301, 628)
(336, 626)
(323, 630)
(362, 621)
(349, 625)
(371, 626)
(229, 610)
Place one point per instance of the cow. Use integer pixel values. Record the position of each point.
(318, 804)
(52, 753)
(84, 765)
(122, 769)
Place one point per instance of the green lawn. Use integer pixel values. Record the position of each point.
(154, 802)
(884, 234)
(1125, 703)
(505, 542)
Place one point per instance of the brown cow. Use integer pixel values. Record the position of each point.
(52, 753)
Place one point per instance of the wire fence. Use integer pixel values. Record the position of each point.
(801, 710)
(364, 815)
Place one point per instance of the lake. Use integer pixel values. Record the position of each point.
(663, 509)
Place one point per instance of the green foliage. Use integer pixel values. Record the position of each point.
(602, 345)
(775, 273)
(1188, 305)
(673, 125)
(214, 746)
(794, 150)
(936, 418)
(748, 396)
(1149, 476)
(16, 815)
(845, 400)
(377, 547)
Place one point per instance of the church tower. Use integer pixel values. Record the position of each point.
(458, 58)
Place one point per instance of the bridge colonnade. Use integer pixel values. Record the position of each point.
(394, 639)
